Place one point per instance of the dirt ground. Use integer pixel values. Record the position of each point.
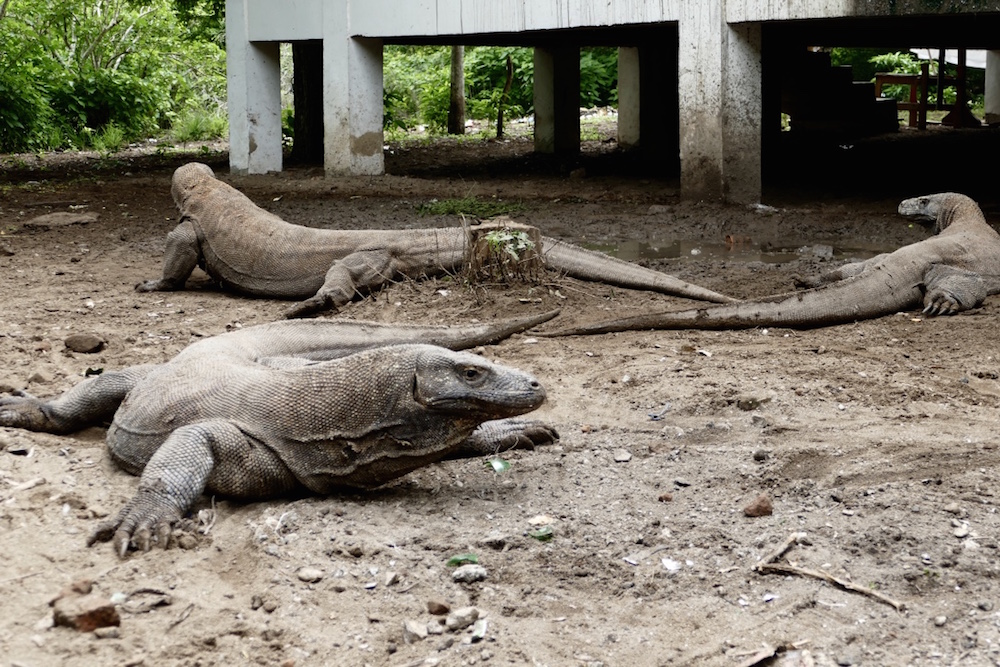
(877, 440)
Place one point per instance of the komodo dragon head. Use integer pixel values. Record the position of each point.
(465, 384)
(942, 209)
(186, 178)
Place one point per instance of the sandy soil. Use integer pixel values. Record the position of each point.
(877, 440)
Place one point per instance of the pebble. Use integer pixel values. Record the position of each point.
(437, 608)
(469, 573)
(84, 343)
(962, 531)
(461, 618)
(309, 574)
(622, 456)
(940, 620)
(414, 631)
(985, 605)
(760, 506)
(111, 632)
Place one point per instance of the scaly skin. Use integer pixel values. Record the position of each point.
(254, 252)
(948, 273)
(284, 407)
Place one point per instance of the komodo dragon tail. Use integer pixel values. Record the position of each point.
(850, 300)
(590, 265)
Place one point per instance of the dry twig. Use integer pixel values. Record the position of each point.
(770, 564)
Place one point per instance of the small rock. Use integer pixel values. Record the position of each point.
(270, 606)
(985, 605)
(962, 531)
(391, 578)
(84, 343)
(680, 481)
(437, 608)
(469, 573)
(61, 219)
(952, 508)
(414, 631)
(39, 377)
(940, 620)
(665, 497)
(461, 618)
(111, 632)
(85, 613)
(309, 574)
(622, 456)
(760, 506)
(479, 630)
(760, 455)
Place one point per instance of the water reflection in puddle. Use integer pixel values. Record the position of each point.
(739, 251)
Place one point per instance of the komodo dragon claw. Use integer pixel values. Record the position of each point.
(145, 520)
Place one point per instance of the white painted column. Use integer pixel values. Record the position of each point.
(629, 93)
(352, 96)
(557, 99)
(720, 105)
(992, 96)
(253, 81)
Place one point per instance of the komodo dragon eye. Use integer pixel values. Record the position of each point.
(472, 373)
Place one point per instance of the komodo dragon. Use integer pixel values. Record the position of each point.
(950, 272)
(296, 406)
(252, 251)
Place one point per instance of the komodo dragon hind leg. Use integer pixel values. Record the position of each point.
(840, 273)
(357, 273)
(91, 402)
(949, 290)
(179, 260)
(500, 435)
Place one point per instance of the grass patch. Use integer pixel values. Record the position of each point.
(470, 206)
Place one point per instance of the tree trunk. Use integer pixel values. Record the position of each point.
(307, 89)
(456, 104)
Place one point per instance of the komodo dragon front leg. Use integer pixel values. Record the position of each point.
(179, 260)
(89, 403)
(214, 454)
(218, 455)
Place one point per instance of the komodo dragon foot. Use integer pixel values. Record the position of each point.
(502, 435)
(312, 306)
(25, 411)
(146, 519)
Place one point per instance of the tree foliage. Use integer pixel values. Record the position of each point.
(416, 83)
(74, 70)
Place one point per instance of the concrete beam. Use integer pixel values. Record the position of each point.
(557, 100)
(352, 101)
(253, 81)
(629, 93)
(720, 107)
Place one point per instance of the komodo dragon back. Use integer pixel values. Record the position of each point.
(950, 272)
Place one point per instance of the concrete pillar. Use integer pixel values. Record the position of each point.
(253, 80)
(992, 107)
(629, 96)
(557, 99)
(352, 100)
(720, 105)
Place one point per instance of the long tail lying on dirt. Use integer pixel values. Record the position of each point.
(590, 265)
(949, 273)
